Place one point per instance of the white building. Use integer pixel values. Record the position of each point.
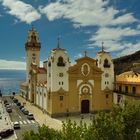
(59, 88)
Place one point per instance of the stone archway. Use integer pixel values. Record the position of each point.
(85, 106)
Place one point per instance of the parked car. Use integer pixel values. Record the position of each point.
(6, 132)
(30, 116)
(20, 107)
(5, 101)
(15, 100)
(6, 104)
(9, 110)
(16, 125)
(26, 112)
(18, 104)
(12, 97)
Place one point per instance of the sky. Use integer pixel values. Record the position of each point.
(81, 25)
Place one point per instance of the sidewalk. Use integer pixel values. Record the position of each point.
(40, 117)
(5, 122)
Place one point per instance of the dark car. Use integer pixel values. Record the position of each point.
(15, 100)
(5, 101)
(18, 104)
(20, 107)
(9, 110)
(26, 112)
(12, 97)
(6, 132)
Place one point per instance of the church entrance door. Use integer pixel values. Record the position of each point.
(85, 106)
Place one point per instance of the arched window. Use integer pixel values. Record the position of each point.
(49, 64)
(106, 64)
(60, 61)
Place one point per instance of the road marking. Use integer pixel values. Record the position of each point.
(28, 121)
(20, 122)
(24, 122)
(32, 121)
(19, 116)
(15, 135)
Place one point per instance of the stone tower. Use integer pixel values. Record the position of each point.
(32, 48)
(104, 61)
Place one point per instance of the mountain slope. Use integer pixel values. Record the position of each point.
(125, 63)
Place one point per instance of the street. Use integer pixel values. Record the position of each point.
(18, 116)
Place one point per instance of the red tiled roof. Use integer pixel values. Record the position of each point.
(42, 70)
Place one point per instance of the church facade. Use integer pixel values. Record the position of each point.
(60, 88)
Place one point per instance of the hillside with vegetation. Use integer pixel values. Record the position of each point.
(125, 63)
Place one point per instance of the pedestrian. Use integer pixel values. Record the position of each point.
(5, 118)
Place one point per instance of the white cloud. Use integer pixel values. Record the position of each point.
(79, 55)
(138, 27)
(126, 18)
(86, 12)
(113, 38)
(24, 12)
(108, 34)
(17, 65)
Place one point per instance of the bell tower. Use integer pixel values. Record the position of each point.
(105, 62)
(58, 64)
(32, 47)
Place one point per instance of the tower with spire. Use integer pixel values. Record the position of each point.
(104, 61)
(32, 47)
(58, 64)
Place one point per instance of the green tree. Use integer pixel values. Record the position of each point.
(119, 124)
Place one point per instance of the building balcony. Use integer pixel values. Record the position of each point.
(127, 93)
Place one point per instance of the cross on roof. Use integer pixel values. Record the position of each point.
(102, 46)
(85, 53)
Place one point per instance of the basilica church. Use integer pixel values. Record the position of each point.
(60, 88)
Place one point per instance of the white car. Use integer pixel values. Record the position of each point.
(30, 116)
(16, 125)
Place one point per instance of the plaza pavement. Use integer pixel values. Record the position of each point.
(56, 123)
